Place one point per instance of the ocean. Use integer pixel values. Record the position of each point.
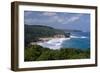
(80, 40)
(77, 40)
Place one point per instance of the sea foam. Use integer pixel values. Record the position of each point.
(78, 37)
(54, 43)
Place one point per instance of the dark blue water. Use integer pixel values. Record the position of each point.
(79, 40)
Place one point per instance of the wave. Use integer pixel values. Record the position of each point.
(78, 37)
(55, 43)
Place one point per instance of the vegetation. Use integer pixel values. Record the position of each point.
(38, 53)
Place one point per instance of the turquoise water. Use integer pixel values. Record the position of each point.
(80, 40)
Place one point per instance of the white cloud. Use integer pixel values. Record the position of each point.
(58, 18)
(63, 20)
(53, 18)
(73, 18)
(30, 21)
(49, 13)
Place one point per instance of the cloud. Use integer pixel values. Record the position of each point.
(58, 18)
(73, 18)
(30, 21)
(51, 17)
(62, 19)
(39, 21)
(49, 13)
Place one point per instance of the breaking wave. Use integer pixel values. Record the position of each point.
(54, 43)
(78, 37)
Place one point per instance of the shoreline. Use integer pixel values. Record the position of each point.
(54, 43)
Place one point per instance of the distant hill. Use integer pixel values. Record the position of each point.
(41, 31)
(71, 30)
(33, 32)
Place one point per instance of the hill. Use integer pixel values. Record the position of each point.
(41, 31)
(33, 32)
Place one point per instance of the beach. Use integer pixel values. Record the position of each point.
(54, 43)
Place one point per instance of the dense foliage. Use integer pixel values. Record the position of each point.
(38, 53)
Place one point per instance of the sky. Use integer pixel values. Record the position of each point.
(58, 20)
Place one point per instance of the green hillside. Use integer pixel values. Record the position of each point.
(33, 32)
(39, 53)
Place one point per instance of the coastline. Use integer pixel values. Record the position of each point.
(57, 43)
(54, 43)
